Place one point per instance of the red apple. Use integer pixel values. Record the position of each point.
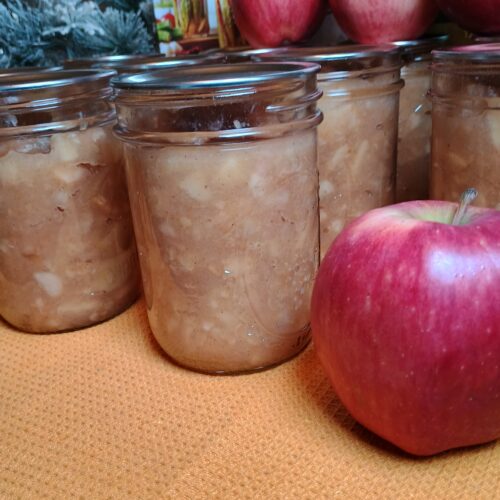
(377, 21)
(406, 322)
(270, 23)
(478, 16)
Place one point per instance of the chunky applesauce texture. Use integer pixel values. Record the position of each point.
(357, 158)
(228, 244)
(67, 251)
(414, 143)
(466, 152)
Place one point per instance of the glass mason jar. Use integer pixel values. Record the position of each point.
(466, 123)
(415, 122)
(221, 169)
(67, 252)
(358, 137)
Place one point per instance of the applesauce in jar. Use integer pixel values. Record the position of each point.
(357, 140)
(67, 251)
(415, 122)
(221, 167)
(466, 123)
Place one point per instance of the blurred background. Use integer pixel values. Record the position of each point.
(47, 32)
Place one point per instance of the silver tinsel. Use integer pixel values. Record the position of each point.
(45, 32)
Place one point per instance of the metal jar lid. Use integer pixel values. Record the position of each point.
(109, 61)
(168, 63)
(420, 49)
(52, 86)
(339, 60)
(486, 38)
(243, 54)
(5, 72)
(243, 76)
(480, 53)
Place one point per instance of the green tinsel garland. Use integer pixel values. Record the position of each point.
(45, 32)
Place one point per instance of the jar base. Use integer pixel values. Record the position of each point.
(80, 327)
(248, 371)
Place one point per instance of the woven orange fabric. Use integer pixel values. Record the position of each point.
(102, 413)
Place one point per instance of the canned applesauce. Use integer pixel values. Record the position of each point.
(67, 250)
(221, 168)
(466, 123)
(415, 122)
(358, 137)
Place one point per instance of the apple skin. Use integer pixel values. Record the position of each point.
(378, 21)
(405, 317)
(270, 23)
(478, 16)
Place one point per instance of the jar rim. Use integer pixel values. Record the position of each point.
(486, 38)
(421, 48)
(167, 63)
(249, 52)
(17, 70)
(214, 76)
(483, 52)
(47, 81)
(158, 62)
(117, 59)
(333, 53)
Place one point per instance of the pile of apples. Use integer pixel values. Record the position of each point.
(271, 23)
(405, 312)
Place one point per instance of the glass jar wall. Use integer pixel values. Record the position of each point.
(415, 122)
(466, 123)
(221, 166)
(67, 251)
(358, 137)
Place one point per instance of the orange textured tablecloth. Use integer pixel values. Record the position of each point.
(102, 413)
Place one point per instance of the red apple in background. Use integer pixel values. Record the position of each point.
(270, 23)
(478, 16)
(406, 322)
(377, 21)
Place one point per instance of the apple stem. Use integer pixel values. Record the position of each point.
(468, 196)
